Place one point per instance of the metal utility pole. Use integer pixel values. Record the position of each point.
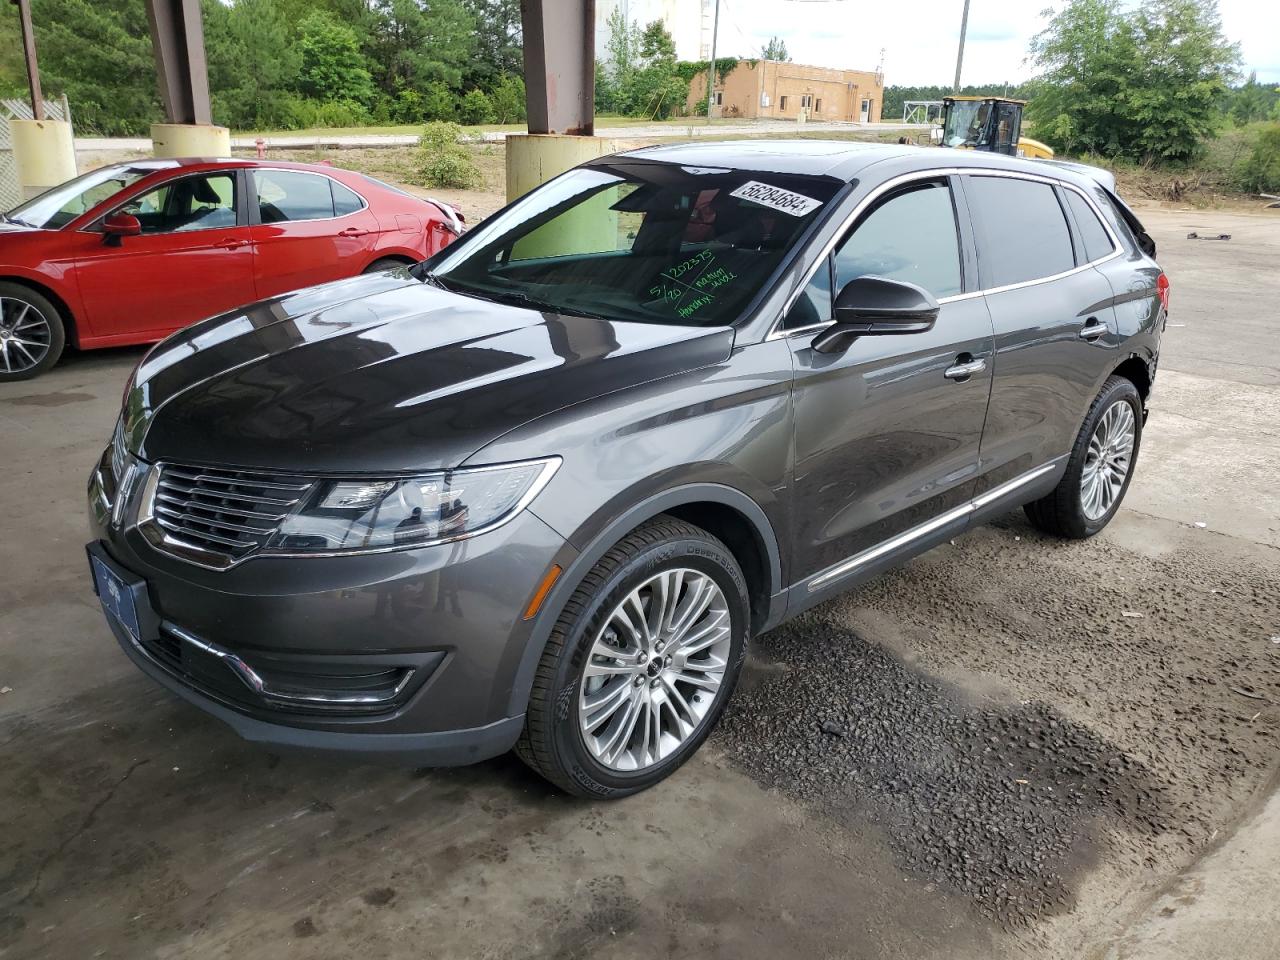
(29, 49)
(711, 71)
(964, 25)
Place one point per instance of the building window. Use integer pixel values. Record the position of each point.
(719, 98)
(806, 101)
(782, 103)
(817, 105)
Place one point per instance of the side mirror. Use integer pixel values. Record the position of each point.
(118, 226)
(871, 306)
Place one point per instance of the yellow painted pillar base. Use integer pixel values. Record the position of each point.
(190, 140)
(535, 158)
(44, 154)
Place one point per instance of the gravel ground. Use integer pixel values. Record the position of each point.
(923, 702)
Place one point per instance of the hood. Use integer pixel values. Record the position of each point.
(383, 373)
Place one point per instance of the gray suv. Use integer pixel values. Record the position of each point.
(539, 491)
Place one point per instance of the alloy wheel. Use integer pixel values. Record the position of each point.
(1108, 460)
(654, 670)
(25, 335)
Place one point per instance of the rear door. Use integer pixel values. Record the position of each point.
(193, 259)
(1055, 325)
(887, 433)
(307, 228)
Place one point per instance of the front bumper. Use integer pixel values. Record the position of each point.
(430, 639)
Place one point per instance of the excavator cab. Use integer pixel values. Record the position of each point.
(991, 124)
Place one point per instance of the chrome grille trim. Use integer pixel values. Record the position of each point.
(223, 514)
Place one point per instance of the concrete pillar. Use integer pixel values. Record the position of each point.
(44, 154)
(190, 140)
(533, 159)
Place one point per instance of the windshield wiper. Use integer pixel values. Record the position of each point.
(513, 297)
(8, 219)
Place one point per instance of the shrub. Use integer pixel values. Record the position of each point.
(475, 108)
(444, 162)
(1260, 172)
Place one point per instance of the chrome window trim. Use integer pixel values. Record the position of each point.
(777, 331)
(306, 173)
(845, 567)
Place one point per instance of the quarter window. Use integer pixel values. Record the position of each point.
(910, 236)
(1093, 235)
(285, 195)
(187, 203)
(1022, 231)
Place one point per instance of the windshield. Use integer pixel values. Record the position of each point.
(639, 240)
(966, 123)
(55, 208)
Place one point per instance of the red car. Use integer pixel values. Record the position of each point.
(133, 251)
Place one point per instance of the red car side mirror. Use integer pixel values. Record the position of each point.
(118, 226)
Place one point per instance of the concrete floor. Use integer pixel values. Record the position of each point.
(133, 826)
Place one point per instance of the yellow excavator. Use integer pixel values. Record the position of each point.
(993, 124)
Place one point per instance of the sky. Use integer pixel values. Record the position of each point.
(919, 37)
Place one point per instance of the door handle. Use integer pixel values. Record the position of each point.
(352, 232)
(1092, 329)
(231, 243)
(965, 367)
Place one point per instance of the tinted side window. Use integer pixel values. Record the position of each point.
(344, 201)
(910, 236)
(1022, 230)
(187, 203)
(813, 306)
(1093, 235)
(283, 195)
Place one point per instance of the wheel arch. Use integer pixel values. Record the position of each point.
(49, 293)
(1136, 370)
(723, 511)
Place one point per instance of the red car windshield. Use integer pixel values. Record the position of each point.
(55, 208)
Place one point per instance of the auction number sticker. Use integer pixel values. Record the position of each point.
(796, 204)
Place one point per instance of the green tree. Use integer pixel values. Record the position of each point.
(508, 98)
(254, 64)
(97, 52)
(1252, 100)
(775, 49)
(499, 44)
(332, 67)
(474, 107)
(1141, 84)
(417, 42)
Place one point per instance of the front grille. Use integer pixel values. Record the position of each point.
(227, 512)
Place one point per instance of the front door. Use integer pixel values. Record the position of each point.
(865, 113)
(308, 229)
(887, 432)
(192, 260)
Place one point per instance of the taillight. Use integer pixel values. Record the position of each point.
(1162, 291)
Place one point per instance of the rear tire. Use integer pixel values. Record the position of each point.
(1100, 469)
(386, 263)
(32, 335)
(672, 668)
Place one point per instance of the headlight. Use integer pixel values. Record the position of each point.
(385, 514)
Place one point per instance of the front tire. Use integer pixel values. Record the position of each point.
(640, 664)
(31, 333)
(1101, 466)
(386, 263)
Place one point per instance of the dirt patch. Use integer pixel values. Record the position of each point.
(934, 681)
(1000, 804)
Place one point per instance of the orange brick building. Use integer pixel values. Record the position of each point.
(780, 90)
